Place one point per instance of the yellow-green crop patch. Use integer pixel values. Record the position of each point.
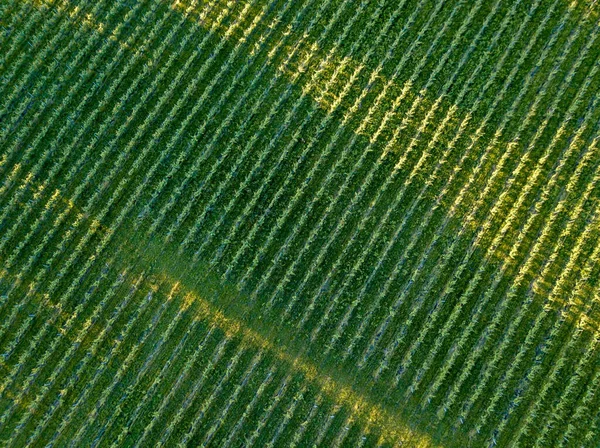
(310, 223)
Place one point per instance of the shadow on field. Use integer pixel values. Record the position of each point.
(205, 297)
(426, 234)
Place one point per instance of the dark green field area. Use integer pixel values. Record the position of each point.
(294, 224)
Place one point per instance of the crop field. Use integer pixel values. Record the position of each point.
(272, 223)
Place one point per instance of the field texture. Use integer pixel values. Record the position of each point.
(276, 223)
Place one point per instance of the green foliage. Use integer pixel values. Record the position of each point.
(311, 223)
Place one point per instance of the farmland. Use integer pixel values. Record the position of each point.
(311, 223)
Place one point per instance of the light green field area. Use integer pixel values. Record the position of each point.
(273, 223)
